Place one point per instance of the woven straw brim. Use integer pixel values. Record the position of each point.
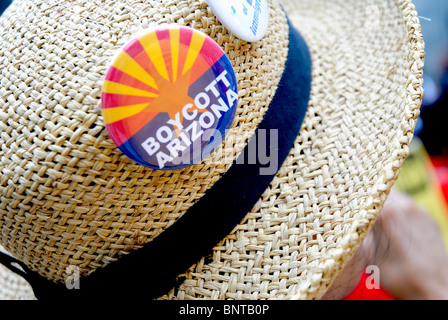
(69, 197)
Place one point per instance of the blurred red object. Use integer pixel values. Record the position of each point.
(440, 164)
(361, 292)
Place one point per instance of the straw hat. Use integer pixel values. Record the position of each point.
(73, 203)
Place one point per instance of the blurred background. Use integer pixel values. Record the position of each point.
(434, 20)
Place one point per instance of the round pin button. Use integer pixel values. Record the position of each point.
(169, 97)
(247, 19)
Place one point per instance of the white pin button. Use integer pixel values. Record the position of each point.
(246, 19)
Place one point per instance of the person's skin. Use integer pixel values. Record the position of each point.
(408, 248)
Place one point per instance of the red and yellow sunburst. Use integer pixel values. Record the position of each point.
(152, 74)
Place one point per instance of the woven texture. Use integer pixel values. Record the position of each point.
(69, 197)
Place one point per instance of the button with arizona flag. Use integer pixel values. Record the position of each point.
(169, 97)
